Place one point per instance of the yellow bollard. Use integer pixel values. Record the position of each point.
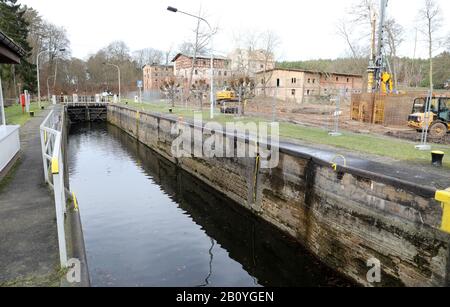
(55, 166)
(75, 201)
(444, 198)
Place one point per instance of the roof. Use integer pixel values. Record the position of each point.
(157, 65)
(311, 72)
(200, 56)
(10, 52)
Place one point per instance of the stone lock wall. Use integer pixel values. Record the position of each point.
(344, 217)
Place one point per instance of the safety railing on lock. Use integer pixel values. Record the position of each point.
(51, 132)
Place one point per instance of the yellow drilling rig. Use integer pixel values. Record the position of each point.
(378, 77)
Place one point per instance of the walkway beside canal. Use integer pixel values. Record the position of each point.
(28, 237)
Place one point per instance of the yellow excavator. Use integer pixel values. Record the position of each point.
(438, 117)
(226, 95)
(227, 99)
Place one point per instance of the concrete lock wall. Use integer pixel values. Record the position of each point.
(346, 218)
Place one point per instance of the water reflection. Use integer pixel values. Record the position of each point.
(148, 223)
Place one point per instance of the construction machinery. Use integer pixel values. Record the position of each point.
(226, 95)
(227, 99)
(379, 78)
(436, 118)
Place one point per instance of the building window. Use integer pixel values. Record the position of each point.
(309, 80)
(308, 92)
(293, 92)
(337, 79)
(204, 62)
(314, 81)
(278, 82)
(294, 80)
(225, 73)
(348, 80)
(196, 72)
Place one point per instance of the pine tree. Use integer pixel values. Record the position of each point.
(14, 25)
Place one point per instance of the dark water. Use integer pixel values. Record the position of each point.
(147, 223)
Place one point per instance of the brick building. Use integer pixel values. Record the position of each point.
(250, 62)
(155, 75)
(298, 85)
(202, 68)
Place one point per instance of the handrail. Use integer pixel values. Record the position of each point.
(51, 142)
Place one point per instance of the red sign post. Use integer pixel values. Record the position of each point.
(23, 102)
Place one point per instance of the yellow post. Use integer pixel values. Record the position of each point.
(370, 81)
(55, 166)
(444, 198)
(75, 201)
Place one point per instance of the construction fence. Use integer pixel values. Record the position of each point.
(387, 110)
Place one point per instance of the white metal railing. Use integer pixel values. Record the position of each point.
(85, 99)
(51, 132)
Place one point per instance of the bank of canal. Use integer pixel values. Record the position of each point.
(148, 223)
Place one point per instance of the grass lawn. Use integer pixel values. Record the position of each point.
(14, 115)
(397, 149)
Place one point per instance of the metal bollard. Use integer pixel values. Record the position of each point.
(436, 158)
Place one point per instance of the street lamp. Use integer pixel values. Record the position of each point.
(37, 71)
(118, 70)
(175, 10)
(48, 87)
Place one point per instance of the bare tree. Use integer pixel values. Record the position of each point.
(395, 39)
(36, 32)
(168, 54)
(244, 87)
(431, 21)
(447, 42)
(199, 90)
(362, 12)
(117, 51)
(270, 42)
(199, 45)
(344, 29)
(357, 27)
(148, 56)
(171, 89)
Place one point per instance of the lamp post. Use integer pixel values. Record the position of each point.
(118, 70)
(48, 87)
(37, 71)
(175, 10)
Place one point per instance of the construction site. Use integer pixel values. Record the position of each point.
(188, 168)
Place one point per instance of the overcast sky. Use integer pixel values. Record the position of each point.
(306, 27)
